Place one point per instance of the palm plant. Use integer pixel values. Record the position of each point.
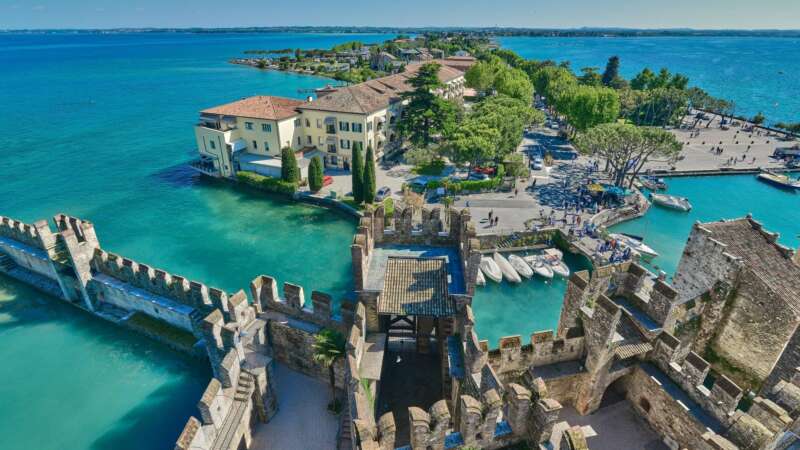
(329, 346)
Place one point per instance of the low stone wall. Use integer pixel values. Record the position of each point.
(512, 358)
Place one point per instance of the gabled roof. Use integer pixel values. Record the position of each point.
(259, 107)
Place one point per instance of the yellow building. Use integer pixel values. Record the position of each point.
(249, 134)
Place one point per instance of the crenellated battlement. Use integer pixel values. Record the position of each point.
(511, 356)
(720, 399)
(264, 291)
(37, 235)
(159, 282)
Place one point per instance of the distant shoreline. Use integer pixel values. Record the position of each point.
(493, 32)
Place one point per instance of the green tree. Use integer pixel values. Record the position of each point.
(329, 347)
(481, 75)
(551, 81)
(627, 148)
(759, 118)
(656, 107)
(289, 170)
(611, 74)
(514, 83)
(369, 176)
(357, 175)
(587, 106)
(643, 79)
(426, 114)
(315, 176)
(474, 142)
(591, 77)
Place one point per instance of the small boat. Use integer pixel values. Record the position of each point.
(508, 270)
(480, 280)
(653, 183)
(782, 181)
(554, 257)
(635, 245)
(491, 270)
(520, 266)
(540, 266)
(671, 201)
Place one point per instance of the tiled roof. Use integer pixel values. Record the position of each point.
(416, 286)
(376, 94)
(259, 107)
(744, 240)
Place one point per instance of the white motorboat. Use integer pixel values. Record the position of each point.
(520, 266)
(553, 257)
(782, 181)
(634, 244)
(480, 280)
(671, 201)
(491, 270)
(540, 266)
(508, 270)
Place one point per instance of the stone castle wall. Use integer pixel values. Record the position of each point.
(705, 260)
(512, 358)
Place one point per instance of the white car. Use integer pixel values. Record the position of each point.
(537, 164)
(383, 193)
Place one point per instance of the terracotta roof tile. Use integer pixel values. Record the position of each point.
(259, 107)
(416, 286)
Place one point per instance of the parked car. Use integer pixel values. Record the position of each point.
(478, 176)
(383, 193)
(537, 164)
(327, 180)
(484, 170)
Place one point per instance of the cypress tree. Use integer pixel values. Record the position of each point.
(357, 175)
(289, 170)
(315, 174)
(369, 176)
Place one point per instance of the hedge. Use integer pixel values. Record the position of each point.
(466, 185)
(268, 184)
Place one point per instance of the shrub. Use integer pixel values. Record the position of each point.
(357, 175)
(315, 174)
(388, 207)
(289, 170)
(268, 184)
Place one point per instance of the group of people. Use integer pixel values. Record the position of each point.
(493, 219)
(618, 252)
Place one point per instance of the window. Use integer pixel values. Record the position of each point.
(266, 146)
(330, 129)
(334, 160)
(255, 145)
(267, 128)
(308, 123)
(331, 148)
(644, 404)
(344, 126)
(213, 145)
(248, 125)
(299, 141)
(297, 122)
(319, 140)
(344, 143)
(308, 139)
(319, 123)
(369, 126)
(357, 128)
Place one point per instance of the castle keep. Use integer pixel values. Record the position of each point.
(709, 362)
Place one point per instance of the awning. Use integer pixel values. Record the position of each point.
(330, 120)
(238, 145)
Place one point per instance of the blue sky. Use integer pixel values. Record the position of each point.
(519, 13)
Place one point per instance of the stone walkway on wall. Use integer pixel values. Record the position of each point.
(303, 421)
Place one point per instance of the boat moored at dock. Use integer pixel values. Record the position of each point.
(509, 273)
(779, 180)
(671, 202)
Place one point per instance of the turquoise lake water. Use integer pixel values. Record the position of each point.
(758, 74)
(100, 127)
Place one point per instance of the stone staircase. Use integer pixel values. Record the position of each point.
(345, 438)
(228, 431)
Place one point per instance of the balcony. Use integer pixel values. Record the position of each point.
(219, 126)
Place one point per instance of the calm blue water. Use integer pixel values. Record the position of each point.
(716, 198)
(99, 126)
(745, 70)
